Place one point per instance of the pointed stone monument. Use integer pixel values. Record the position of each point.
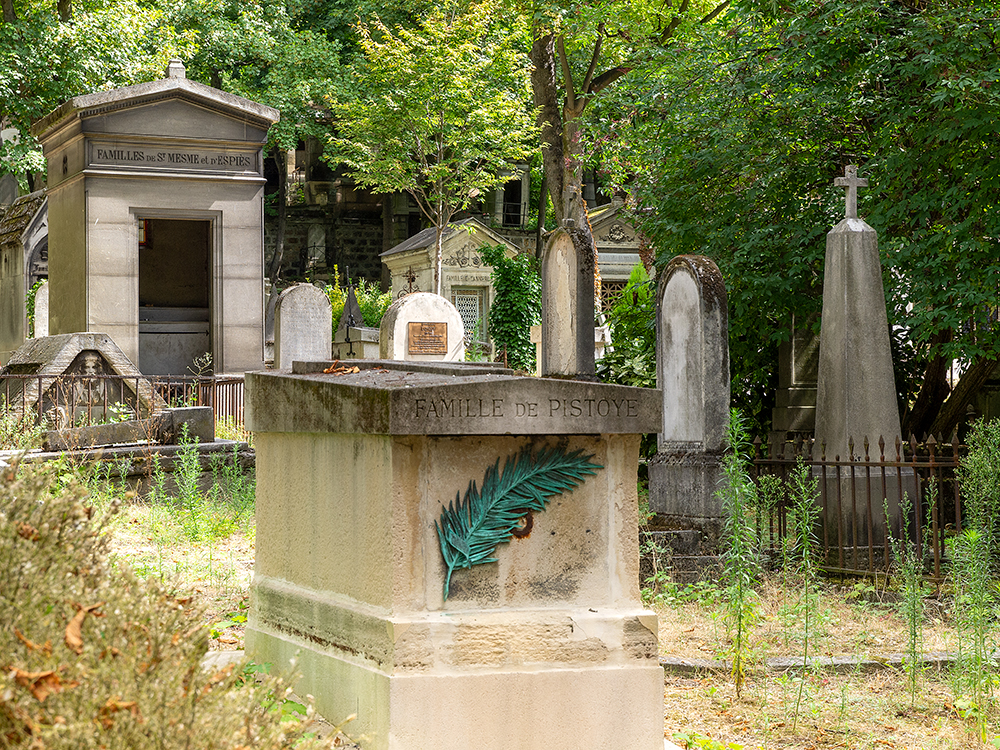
(856, 390)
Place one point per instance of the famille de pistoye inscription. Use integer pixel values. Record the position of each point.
(177, 158)
(472, 408)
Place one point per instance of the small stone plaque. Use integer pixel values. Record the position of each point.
(427, 338)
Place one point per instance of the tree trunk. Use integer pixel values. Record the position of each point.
(933, 391)
(965, 389)
(543, 204)
(388, 237)
(438, 234)
(8, 11)
(274, 270)
(65, 8)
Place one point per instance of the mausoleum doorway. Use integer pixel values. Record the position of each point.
(175, 297)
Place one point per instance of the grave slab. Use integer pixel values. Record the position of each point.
(548, 644)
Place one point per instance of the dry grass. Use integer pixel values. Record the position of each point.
(847, 710)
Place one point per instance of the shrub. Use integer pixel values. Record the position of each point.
(517, 304)
(91, 656)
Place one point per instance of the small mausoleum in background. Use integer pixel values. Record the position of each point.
(23, 261)
(618, 246)
(155, 222)
(465, 278)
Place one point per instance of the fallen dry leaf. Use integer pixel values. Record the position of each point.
(113, 706)
(32, 646)
(42, 684)
(74, 629)
(27, 531)
(227, 639)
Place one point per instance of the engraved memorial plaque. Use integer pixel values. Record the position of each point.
(427, 338)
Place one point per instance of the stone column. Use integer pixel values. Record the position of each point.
(567, 308)
(692, 370)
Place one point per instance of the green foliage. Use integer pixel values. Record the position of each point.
(632, 317)
(371, 301)
(802, 518)
(973, 573)
(471, 528)
(45, 60)
(438, 111)
(735, 137)
(696, 741)
(910, 568)
(29, 306)
(517, 304)
(741, 561)
(95, 657)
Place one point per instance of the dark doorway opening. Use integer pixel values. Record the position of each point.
(175, 296)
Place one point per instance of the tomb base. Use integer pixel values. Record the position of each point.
(451, 681)
(682, 487)
(541, 647)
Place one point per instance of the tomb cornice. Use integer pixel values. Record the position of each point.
(103, 102)
(133, 173)
(382, 401)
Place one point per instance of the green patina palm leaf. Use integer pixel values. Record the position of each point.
(470, 529)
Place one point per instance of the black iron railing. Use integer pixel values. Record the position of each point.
(862, 498)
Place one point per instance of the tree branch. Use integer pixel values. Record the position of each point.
(567, 74)
(608, 77)
(715, 13)
(674, 22)
(961, 396)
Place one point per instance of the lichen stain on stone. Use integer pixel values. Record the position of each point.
(707, 276)
(414, 651)
(506, 644)
(637, 640)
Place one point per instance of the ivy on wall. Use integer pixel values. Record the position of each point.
(517, 304)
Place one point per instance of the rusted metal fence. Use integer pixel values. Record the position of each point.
(863, 502)
(69, 400)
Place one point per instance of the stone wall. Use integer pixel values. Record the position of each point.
(315, 241)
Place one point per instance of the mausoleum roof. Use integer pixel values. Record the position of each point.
(425, 237)
(175, 85)
(15, 217)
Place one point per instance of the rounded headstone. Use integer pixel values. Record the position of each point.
(422, 327)
(303, 326)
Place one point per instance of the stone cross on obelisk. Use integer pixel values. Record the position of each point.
(852, 182)
(856, 392)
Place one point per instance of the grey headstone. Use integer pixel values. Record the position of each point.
(303, 324)
(856, 391)
(42, 310)
(567, 308)
(693, 373)
(8, 189)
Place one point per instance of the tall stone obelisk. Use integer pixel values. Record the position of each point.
(856, 389)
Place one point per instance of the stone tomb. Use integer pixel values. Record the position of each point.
(546, 646)
(422, 327)
(465, 278)
(21, 265)
(105, 378)
(303, 325)
(155, 200)
(692, 370)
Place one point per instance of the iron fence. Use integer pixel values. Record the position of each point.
(67, 400)
(862, 499)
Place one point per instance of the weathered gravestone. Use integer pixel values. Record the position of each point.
(422, 327)
(361, 551)
(42, 311)
(34, 382)
(303, 324)
(8, 189)
(692, 371)
(856, 392)
(567, 308)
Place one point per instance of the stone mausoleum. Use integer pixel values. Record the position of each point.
(155, 217)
